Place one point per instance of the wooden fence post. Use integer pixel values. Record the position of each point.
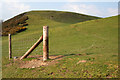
(45, 43)
(10, 46)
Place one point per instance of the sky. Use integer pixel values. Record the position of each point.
(100, 8)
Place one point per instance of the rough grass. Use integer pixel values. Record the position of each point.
(96, 41)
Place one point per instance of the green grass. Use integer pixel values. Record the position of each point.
(96, 40)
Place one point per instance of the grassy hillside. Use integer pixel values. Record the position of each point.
(18, 23)
(14, 25)
(61, 16)
(94, 41)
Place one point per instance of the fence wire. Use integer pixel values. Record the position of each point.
(22, 43)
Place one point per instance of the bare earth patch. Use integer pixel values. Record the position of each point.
(82, 61)
(38, 61)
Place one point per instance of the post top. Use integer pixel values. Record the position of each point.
(45, 26)
(9, 34)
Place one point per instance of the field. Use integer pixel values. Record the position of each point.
(89, 46)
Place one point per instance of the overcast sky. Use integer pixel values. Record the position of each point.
(100, 8)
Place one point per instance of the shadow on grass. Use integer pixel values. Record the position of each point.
(59, 56)
(69, 54)
(73, 55)
(62, 56)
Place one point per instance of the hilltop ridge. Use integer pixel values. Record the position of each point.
(19, 22)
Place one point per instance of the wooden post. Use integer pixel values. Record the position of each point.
(45, 43)
(32, 48)
(10, 46)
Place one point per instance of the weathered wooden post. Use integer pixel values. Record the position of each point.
(45, 43)
(10, 46)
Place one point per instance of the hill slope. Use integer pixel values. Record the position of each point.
(15, 24)
(18, 23)
(61, 16)
(94, 41)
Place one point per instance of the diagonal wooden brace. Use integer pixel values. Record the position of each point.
(32, 48)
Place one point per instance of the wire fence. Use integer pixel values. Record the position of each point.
(22, 43)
